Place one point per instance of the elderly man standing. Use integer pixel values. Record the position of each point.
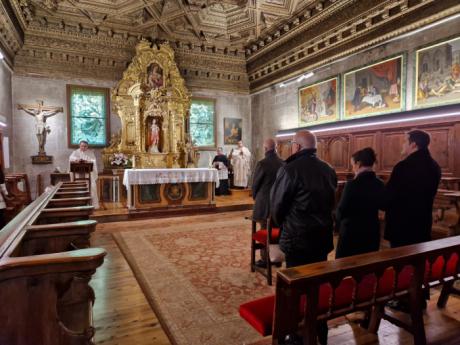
(302, 200)
(264, 177)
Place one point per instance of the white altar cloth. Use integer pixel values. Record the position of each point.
(160, 176)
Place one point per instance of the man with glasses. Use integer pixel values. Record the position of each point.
(302, 200)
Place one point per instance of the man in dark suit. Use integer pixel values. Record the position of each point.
(301, 202)
(264, 176)
(410, 192)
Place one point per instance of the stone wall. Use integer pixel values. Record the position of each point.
(27, 90)
(227, 105)
(6, 106)
(275, 108)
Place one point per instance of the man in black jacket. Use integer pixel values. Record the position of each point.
(410, 192)
(302, 199)
(264, 176)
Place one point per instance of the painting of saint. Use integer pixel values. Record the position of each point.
(375, 89)
(154, 76)
(232, 131)
(318, 103)
(438, 74)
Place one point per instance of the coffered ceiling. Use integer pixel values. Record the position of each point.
(233, 45)
(224, 23)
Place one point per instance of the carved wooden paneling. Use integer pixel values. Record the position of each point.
(338, 153)
(322, 149)
(362, 141)
(442, 148)
(391, 146)
(337, 148)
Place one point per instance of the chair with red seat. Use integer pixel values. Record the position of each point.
(261, 240)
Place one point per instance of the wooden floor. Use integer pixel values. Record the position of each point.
(122, 315)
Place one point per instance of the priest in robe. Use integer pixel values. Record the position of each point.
(221, 163)
(82, 154)
(241, 160)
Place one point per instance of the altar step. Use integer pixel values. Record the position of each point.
(229, 203)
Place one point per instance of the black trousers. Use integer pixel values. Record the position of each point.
(299, 259)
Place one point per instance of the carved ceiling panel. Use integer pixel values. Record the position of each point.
(226, 23)
(234, 45)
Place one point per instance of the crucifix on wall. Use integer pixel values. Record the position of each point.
(41, 113)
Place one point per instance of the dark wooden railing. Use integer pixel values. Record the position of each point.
(45, 269)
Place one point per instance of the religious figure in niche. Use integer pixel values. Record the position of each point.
(154, 76)
(154, 137)
(40, 115)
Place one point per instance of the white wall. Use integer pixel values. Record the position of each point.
(6, 105)
(27, 90)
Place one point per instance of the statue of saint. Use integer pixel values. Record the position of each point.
(41, 114)
(154, 137)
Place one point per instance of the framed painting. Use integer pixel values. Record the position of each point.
(154, 76)
(232, 130)
(202, 123)
(375, 89)
(88, 115)
(437, 74)
(318, 103)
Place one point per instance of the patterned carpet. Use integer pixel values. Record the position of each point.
(195, 273)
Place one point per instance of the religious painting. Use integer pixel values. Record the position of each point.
(318, 103)
(437, 73)
(154, 76)
(374, 89)
(202, 123)
(232, 130)
(88, 115)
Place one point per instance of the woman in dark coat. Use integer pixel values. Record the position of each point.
(357, 212)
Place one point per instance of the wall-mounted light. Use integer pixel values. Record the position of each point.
(1, 56)
(3, 122)
(374, 123)
(305, 76)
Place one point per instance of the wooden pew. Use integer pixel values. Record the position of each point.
(446, 210)
(71, 194)
(64, 214)
(329, 289)
(68, 202)
(45, 295)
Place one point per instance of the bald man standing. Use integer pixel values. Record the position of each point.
(302, 199)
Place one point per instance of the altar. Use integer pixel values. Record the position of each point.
(170, 188)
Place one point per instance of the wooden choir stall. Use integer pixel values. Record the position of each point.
(46, 264)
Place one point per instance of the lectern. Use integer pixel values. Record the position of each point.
(82, 171)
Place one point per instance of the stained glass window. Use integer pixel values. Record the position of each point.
(202, 122)
(88, 112)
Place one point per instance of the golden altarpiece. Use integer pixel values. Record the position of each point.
(152, 102)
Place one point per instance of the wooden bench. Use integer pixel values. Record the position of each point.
(69, 202)
(329, 289)
(446, 209)
(45, 296)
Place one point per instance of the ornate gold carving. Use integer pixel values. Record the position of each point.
(151, 94)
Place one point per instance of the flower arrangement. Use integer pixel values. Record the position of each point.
(120, 160)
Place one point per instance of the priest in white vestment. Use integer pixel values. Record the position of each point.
(83, 154)
(241, 160)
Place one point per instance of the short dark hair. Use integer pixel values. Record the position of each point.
(84, 141)
(420, 138)
(366, 157)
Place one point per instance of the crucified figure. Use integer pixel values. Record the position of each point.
(40, 113)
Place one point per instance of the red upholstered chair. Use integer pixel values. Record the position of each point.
(261, 239)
